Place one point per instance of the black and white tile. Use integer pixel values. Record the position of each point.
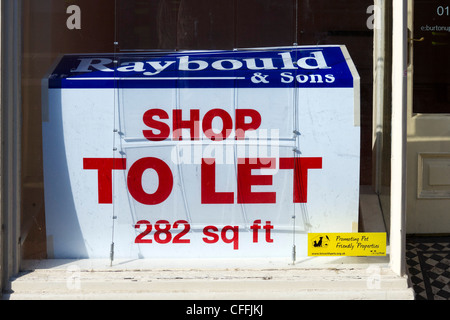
(428, 266)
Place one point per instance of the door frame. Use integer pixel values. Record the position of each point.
(10, 137)
(398, 134)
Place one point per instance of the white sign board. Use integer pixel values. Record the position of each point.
(227, 154)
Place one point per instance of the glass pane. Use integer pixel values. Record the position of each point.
(268, 23)
(51, 28)
(204, 24)
(431, 52)
(87, 43)
(175, 24)
(224, 24)
(325, 22)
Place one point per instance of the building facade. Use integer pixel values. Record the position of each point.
(403, 116)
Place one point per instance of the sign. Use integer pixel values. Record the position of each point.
(347, 244)
(211, 154)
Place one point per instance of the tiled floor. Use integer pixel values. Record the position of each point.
(428, 264)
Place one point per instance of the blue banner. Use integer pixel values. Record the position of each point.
(317, 66)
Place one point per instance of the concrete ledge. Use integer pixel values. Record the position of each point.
(72, 280)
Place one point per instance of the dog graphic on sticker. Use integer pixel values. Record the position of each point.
(321, 241)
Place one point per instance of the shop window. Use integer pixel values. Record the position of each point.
(52, 28)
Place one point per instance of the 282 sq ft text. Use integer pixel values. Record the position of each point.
(164, 232)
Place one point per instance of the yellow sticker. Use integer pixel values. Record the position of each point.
(347, 244)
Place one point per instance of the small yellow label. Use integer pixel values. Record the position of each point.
(347, 244)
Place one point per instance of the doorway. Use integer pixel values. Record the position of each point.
(428, 118)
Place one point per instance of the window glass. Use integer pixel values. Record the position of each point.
(52, 28)
(431, 63)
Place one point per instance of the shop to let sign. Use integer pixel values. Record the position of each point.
(211, 154)
(347, 244)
